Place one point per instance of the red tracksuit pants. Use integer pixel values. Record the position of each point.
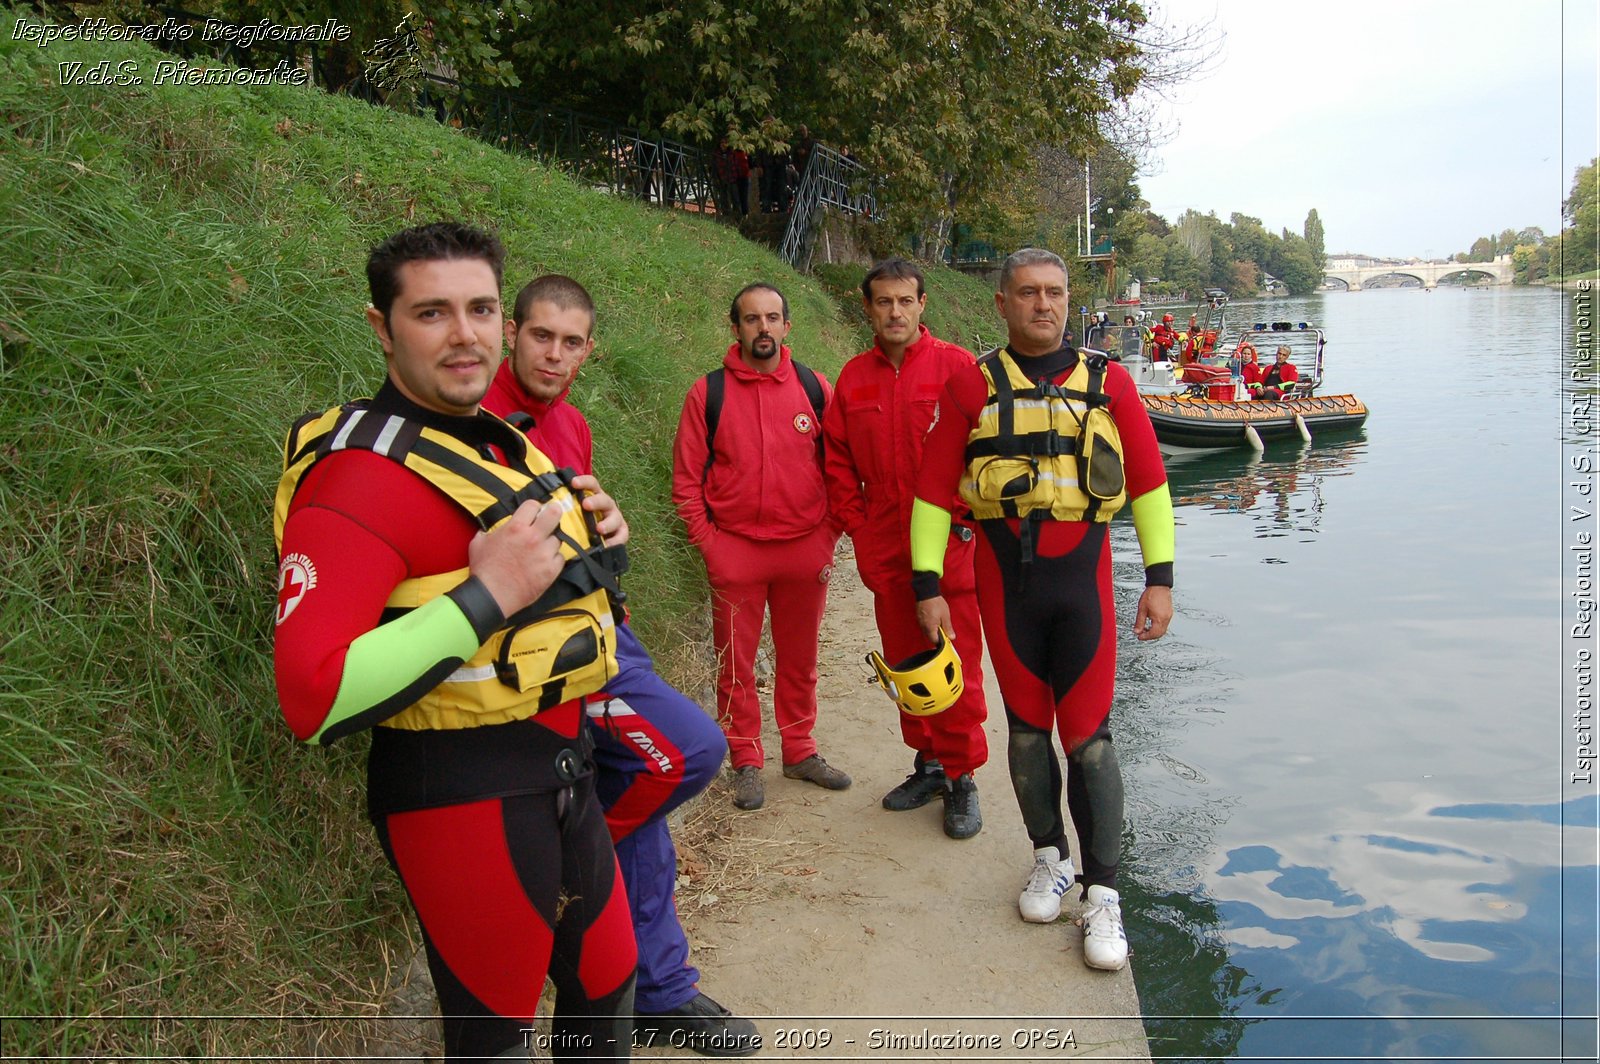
(954, 737)
(748, 577)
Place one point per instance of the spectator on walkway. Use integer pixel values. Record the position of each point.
(873, 432)
(747, 482)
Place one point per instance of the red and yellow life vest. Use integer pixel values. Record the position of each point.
(559, 648)
(1051, 451)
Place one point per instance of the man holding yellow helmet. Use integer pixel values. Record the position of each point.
(882, 408)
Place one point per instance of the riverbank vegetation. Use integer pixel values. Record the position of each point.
(1535, 256)
(181, 274)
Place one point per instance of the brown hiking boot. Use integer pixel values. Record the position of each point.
(748, 790)
(819, 772)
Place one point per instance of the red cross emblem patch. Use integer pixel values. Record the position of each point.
(802, 424)
(296, 577)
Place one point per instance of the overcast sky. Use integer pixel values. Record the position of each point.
(1412, 126)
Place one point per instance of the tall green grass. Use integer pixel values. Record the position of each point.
(181, 274)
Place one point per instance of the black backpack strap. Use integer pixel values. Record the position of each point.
(520, 420)
(813, 390)
(714, 389)
(813, 387)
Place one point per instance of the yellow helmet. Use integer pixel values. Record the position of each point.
(926, 683)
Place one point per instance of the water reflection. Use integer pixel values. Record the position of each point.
(1282, 492)
(1344, 840)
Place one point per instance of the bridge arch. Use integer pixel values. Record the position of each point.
(1468, 275)
(1374, 281)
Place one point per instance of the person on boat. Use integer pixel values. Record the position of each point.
(873, 435)
(1162, 339)
(1280, 377)
(1250, 368)
(1098, 331)
(655, 748)
(1007, 435)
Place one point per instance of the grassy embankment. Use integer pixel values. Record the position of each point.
(181, 275)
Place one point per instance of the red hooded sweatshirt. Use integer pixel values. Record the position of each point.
(765, 480)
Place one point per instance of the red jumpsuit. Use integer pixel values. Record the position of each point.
(874, 432)
(1162, 338)
(758, 512)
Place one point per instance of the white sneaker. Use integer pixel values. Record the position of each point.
(1104, 944)
(1050, 879)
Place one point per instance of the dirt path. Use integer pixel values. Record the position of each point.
(829, 918)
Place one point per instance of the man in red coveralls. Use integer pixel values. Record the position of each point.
(753, 500)
(882, 407)
(655, 748)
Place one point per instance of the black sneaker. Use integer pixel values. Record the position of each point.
(925, 783)
(699, 1024)
(962, 820)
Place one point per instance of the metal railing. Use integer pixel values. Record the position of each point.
(606, 155)
(830, 180)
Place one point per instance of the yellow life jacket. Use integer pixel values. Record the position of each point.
(1044, 451)
(561, 647)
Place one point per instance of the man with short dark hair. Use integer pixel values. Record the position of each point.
(655, 748)
(747, 482)
(882, 408)
(1044, 444)
(427, 554)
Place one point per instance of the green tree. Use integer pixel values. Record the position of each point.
(1250, 237)
(1530, 262)
(1482, 250)
(945, 99)
(1582, 211)
(1314, 238)
(1246, 279)
(1292, 262)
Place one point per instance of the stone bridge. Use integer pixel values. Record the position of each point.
(1354, 278)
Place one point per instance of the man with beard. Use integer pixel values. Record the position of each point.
(747, 482)
(655, 748)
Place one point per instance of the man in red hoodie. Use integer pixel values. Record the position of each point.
(655, 748)
(881, 412)
(747, 482)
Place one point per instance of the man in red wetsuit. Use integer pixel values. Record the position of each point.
(391, 591)
(1162, 337)
(1280, 377)
(882, 406)
(1024, 437)
(655, 748)
(754, 504)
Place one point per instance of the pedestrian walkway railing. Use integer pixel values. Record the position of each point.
(830, 180)
(602, 154)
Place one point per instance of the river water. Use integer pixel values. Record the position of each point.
(1352, 832)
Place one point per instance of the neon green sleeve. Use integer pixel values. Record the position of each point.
(1152, 520)
(930, 532)
(381, 668)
